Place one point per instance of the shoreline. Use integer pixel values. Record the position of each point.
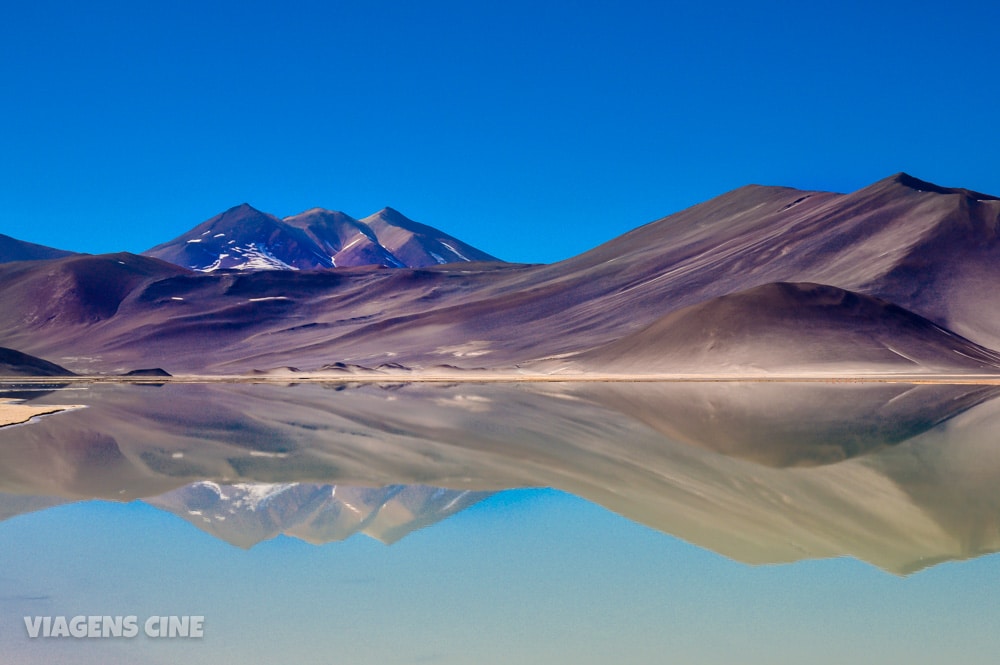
(497, 377)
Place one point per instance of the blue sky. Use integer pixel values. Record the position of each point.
(532, 130)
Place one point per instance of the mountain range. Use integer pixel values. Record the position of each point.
(897, 277)
(244, 238)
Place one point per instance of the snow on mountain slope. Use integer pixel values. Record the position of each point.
(244, 238)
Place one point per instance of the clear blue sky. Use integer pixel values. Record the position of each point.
(534, 130)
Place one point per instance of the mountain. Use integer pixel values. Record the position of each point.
(344, 239)
(792, 329)
(12, 249)
(55, 305)
(15, 363)
(928, 249)
(244, 238)
(918, 262)
(418, 245)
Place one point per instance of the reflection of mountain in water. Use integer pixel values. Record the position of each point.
(806, 425)
(245, 514)
(898, 475)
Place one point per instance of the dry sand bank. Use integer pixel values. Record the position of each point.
(12, 413)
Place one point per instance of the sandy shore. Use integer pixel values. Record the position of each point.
(12, 413)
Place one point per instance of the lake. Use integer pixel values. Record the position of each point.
(497, 523)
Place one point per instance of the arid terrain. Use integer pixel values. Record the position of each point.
(896, 278)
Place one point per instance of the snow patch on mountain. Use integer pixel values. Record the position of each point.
(249, 257)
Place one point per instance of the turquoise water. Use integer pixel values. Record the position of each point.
(531, 575)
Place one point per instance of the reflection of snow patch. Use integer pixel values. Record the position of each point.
(351, 508)
(473, 403)
(451, 504)
(177, 298)
(208, 484)
(255, 495)
(269, 298)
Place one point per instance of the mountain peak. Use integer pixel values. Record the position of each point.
(391, 215)
(245, 238)
(914, 183)
(242, 209)
(317, 213)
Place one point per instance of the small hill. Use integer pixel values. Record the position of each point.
(152, 371)
(790, 328)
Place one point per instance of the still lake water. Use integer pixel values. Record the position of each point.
(508, 523)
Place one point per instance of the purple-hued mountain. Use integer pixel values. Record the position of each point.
(789, 328)
(12, 249)
(798, 279)
(244, 238)
(15, 363)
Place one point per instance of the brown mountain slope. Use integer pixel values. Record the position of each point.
(789, 328)
(928, 249)
(418, 245)
(347, 241)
